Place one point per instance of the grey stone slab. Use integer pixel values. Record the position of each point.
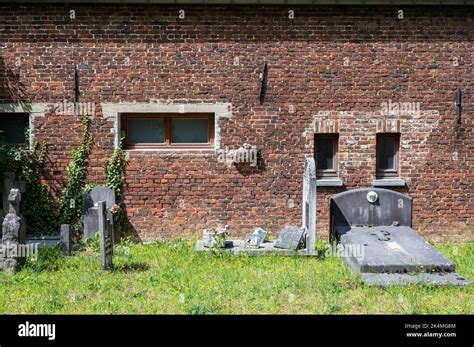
(438, 279)
(105, 237)
(65, 239)
(291, 238)
(330, 182)
(393, 250)
(389, 182)
(97, 194)
(237, 247)
(91, 222)
(44, 242)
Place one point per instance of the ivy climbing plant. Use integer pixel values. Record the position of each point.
(71, 199)
(37, 206)
(115, 170)
(115, 179)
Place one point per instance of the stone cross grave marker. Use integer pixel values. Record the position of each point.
(309, 203)
(105, 235)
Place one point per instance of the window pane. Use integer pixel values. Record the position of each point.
(190, 131)
(146, 130)
(13, 127)
(325, 153)
(386, 152)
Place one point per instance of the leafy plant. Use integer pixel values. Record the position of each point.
(71, 200)
(37, 206)
(115, 170)
(115, 179)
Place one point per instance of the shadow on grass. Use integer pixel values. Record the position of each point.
(131, 267)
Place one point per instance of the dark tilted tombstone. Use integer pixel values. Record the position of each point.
(105, 237)
(292, 238)
(91, 213)
(13, 235)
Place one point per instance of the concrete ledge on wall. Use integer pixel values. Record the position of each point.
(329, 182)
(389, 182)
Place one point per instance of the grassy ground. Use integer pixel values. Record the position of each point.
(171, 278)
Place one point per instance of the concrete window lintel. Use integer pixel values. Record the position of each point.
(389, 182)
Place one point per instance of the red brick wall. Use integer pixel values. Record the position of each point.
(347, 59)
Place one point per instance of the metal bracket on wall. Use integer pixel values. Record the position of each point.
(458, 104)
(263, 82)
(75, 86)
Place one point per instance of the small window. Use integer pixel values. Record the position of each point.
(13, 127)
(167, 131)
(387, 155)
(326, 155)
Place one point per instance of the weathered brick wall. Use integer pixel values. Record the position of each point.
(336, 62)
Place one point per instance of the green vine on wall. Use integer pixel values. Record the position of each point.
(115, 179)
(115, 170)
(71, 200)
(37, 206)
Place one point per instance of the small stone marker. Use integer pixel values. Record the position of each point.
(255, 238)
(106, 239)
(292, 238)
(65, 239)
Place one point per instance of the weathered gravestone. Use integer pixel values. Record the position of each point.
(106, 238)
(374, 227)
(255, 238)
(91, 213)
(13, 235)
(292, 238)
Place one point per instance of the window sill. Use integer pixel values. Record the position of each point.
(389, 182)
(181, 152)
(329, 182)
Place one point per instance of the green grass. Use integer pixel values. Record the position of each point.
(171, 278)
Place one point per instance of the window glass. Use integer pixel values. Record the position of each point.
(189, 131)
(13, 127)
(325, 153)
(146, 130)
(386, 152)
